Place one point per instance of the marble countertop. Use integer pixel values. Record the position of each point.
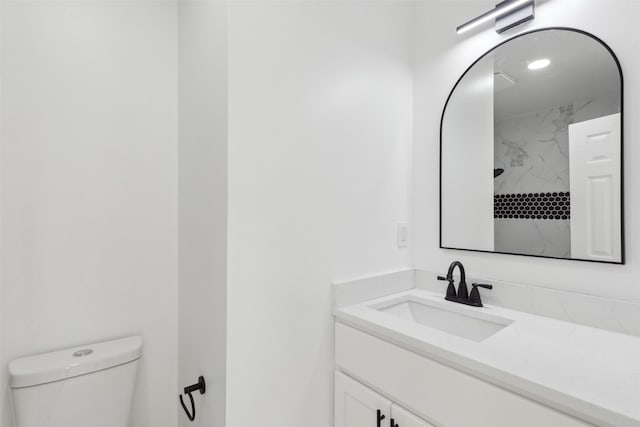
(587, 372)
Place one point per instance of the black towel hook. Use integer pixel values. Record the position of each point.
(199, 386)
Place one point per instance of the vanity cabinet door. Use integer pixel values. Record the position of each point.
(359, 406)
(403, 418)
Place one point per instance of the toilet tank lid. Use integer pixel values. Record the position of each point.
(72, 362)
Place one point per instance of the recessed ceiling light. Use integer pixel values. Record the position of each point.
(538, 64)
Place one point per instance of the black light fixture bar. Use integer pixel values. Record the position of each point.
(501, 10)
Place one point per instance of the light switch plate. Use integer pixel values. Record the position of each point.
(403, 234)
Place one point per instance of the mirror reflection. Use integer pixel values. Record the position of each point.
(531, 150)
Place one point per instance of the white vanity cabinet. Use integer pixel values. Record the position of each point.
(404, 418)
(358, 406)
(429, 389)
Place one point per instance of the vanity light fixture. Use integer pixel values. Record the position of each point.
(539, 64)
(507, 15)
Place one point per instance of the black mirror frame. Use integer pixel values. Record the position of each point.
(622, 216)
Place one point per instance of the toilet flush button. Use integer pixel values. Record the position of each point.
(84, 352)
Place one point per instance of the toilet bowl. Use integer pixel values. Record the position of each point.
(85, 386)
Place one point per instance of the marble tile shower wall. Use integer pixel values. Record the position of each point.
(533, 150)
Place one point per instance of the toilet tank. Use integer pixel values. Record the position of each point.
(86, 386)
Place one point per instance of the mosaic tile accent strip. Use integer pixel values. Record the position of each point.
(555, 206)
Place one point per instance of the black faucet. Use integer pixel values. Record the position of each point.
(452, 294)
(462, 294)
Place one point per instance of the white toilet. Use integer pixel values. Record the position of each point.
(86, 386)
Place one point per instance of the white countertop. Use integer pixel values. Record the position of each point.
(590, 373)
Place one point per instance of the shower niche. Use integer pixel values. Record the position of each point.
(531, 150)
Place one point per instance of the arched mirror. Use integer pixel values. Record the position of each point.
(531, 150)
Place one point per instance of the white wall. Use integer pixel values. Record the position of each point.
(319, 160)
(202, 88)
(472, 105)
(2, 412)
(89, 197)
(441, 56)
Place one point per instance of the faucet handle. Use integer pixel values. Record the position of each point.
(451, 289)
(474, 296)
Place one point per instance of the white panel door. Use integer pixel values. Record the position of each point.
(400, 417)
(359, 406)
(595, 182)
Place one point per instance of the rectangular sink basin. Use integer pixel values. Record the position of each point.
(446, 317)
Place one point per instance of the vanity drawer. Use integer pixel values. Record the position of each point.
(441, 395)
